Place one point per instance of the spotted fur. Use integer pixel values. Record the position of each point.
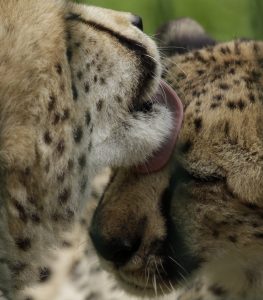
(74, 81)
(198, 222)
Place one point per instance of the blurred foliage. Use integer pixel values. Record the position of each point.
(256, 7)
(223, 19)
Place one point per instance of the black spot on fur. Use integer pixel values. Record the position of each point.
(225, 50)
(200, 72)
(196, 94)
(241, 104)
(224, 86)
(231, 105)
(35, 218)
(252, 98)
(61, 177)
(99, 105)
(102, 81)
(80, 75)
(118, 99)
(44, 274)
(23, 244)
(180, 76)
(21, 211)
(199, 57)
(64, 196)
(52, 102)
(232, 71)
(69, 54)
(82, 161)
(74, 92)
(59, 69)
(56, 119)
(87, 118)
(217, 290)
(66, 114)
(215, 105)
(69, 215)
(86, 87)
(218, 97)
(61, 147)
(198, 122)
(78, 134)
(47, 138)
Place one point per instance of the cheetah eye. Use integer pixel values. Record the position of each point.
(137, 22)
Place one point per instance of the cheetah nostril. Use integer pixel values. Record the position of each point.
(137, 21)
(116, 250)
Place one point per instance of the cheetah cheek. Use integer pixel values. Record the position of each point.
(167, 96)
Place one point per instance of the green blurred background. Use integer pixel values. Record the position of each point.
(223, 19)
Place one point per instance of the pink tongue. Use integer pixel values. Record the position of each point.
(158, 160)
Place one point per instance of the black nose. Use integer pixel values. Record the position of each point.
(114, 239)
(116, 250)
(137, 21)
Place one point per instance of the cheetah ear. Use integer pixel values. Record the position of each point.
(181, 36)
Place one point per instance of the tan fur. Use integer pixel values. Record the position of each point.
(206, 205)
(73, 81)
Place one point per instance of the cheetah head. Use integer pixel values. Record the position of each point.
(116, 78)
(202, 213)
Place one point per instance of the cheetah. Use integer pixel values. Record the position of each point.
(195, 224)
(79, 90)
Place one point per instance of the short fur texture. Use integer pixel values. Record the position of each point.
(199, 220)
(75, 81)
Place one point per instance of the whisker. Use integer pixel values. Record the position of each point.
(148, 277)
(179, 265)
(160, 276)
(155, 285)
(176, 262)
